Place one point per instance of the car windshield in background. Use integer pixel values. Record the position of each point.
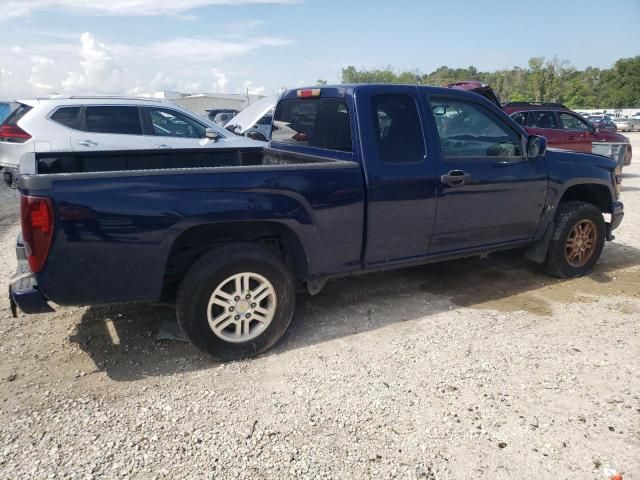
(317, 122)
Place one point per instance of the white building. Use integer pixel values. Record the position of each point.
(201, 103)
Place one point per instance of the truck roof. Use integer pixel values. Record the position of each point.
(341, 89)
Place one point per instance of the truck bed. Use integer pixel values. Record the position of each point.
(131, 160)
(119, 215)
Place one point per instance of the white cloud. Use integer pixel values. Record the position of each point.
(41, 70)
(199, 49)
(92, 67)
(22, 8)
(220, 81)
(8, 85)
(100, 72)
(253, 90)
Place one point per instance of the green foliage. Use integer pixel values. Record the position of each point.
(547, 80)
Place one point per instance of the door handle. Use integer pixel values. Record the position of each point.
(455, 178)
(87, 143)
(162, 146)
(572, 137)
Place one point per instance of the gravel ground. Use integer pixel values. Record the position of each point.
(483, 369)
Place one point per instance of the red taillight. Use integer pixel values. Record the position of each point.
(13, 133)
(37, 229)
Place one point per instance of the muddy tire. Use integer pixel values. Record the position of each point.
(577, 240)
(236, 301)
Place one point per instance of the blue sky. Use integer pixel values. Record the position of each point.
(120, 46)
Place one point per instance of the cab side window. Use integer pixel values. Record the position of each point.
(571, 122)
(397, 128)
(542, 119)
(467, 129)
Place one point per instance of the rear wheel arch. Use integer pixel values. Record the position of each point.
(197, 241)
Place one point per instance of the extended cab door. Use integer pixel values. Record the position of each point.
(401, 183)
(489, 192)
(110, 127)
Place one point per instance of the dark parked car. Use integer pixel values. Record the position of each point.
(213, 113)
(356, 179)
(603, 122)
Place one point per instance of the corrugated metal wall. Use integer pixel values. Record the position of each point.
(201, 103)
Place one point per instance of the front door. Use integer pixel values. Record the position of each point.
(579, 133)
(489, 192)
(169, 128)
(401, 183)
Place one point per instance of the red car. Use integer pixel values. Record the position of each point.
(562, 127)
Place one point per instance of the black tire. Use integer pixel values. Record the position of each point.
(568, 216)
(207, 273)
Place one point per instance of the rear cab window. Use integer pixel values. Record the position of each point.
(313, 122)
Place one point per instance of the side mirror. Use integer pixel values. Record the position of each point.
(212, 134)
(536, 146)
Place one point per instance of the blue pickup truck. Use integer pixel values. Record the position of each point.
(356, 179)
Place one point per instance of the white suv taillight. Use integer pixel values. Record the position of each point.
(13, 134)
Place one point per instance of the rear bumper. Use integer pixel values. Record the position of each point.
(23, 289)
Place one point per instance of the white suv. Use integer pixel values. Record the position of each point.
(106, 123)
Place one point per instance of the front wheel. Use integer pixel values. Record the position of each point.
(577, 240)
(236, 301)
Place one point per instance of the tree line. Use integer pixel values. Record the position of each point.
(543, 80)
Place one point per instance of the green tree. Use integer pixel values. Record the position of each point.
(552, 80)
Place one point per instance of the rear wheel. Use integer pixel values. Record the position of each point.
(236, 301)
(577, 240)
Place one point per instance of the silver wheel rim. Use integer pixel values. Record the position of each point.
(241, 307)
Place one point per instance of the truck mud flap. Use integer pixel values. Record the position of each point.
(538, 251)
